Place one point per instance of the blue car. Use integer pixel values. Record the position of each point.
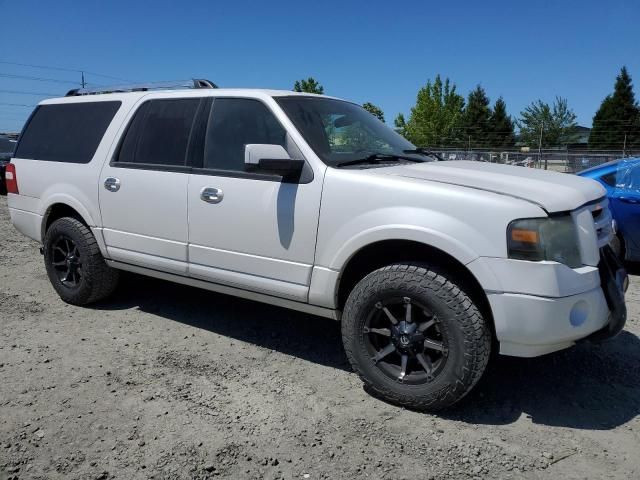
(621, 179)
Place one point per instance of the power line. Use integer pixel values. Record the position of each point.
(16, 105)
(39, 79)
(37, 94)
(62, 69)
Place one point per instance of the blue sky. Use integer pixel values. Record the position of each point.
(377, 51)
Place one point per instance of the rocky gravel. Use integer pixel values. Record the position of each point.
(169, 382)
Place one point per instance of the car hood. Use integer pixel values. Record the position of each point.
(553, 191)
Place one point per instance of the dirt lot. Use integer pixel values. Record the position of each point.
(165, 381)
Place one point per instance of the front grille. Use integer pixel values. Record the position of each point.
(602, 222)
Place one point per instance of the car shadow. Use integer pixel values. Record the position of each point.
(590, 386)
(633, 268)
(301, 335)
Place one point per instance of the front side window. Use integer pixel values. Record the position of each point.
(340, 131)
(234, 123)
(66, 132)
(159, 132)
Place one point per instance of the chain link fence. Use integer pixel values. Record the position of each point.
(560, 160)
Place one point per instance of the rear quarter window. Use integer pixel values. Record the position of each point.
(69, 132)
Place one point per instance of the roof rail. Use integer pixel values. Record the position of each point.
(143, 87)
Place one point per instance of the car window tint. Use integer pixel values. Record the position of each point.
(609, 179)
(66, 132)
(159, 132)
(234, 123)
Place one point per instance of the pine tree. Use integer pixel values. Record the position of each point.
(374, 110)
(310, 85)
(500, 134)
(617, 116)
(400, 124)
(436, 117)
(476, 118)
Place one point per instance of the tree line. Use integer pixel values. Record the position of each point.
(443, 117)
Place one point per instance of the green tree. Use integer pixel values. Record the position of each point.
(476, 117)
(310, 85)
(374, 110)
(557, 123)
(400, 124)
(617, 117)
(500, 133)
(436, 117)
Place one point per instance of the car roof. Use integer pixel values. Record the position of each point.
(180, 92)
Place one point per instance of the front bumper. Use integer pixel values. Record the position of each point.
(528, 325)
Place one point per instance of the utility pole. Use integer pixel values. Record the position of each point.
(82, 82)
(540, 148)
(624, 146)
(469, 148)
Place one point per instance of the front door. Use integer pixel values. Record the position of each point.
(249, 229)
(625, 202)
(143, 191)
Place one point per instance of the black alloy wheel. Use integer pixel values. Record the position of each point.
(405, 340)
(67, 261)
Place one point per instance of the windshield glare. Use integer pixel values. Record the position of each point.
(340, 131)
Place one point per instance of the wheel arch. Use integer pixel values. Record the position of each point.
(59, 210)
(385, 252)
(62, 207)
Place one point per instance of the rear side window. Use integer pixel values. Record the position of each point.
(609, 179)
(69, 132)
(159, 132)
(235, 122)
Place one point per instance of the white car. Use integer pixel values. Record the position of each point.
(310, 203)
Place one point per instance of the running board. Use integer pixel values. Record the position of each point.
(227, 290)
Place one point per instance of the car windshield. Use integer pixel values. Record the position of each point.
(628, 174)
(341, 132)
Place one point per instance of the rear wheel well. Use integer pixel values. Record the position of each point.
(56, 211)
(381, 254)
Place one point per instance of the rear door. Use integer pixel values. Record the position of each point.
(143, 190)
(259, 233)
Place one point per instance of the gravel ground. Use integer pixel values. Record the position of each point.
(170, 382)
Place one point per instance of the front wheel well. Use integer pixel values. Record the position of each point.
(56, 211)
(387, 252)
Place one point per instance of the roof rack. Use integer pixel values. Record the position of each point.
(143, 87)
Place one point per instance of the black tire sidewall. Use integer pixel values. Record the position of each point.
(453, 382)
(69, 228)
(454, 361)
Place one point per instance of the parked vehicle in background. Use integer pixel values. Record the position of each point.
(621, 179)
(311, 203)
(7, 146)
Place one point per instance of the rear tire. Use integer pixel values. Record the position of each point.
(446, 344)
(75, 265)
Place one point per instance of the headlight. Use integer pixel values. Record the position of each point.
(537, 239)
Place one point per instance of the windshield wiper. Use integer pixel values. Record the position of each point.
(378, 158)
(424, 151)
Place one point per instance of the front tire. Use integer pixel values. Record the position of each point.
(75, 265)
(415, 337)
(618, 246)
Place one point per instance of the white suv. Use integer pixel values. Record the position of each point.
(311, 203)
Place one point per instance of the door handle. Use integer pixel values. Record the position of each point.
(629, 200)
(211, 195)
(112, 184)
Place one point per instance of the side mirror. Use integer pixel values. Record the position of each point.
(271, 159)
